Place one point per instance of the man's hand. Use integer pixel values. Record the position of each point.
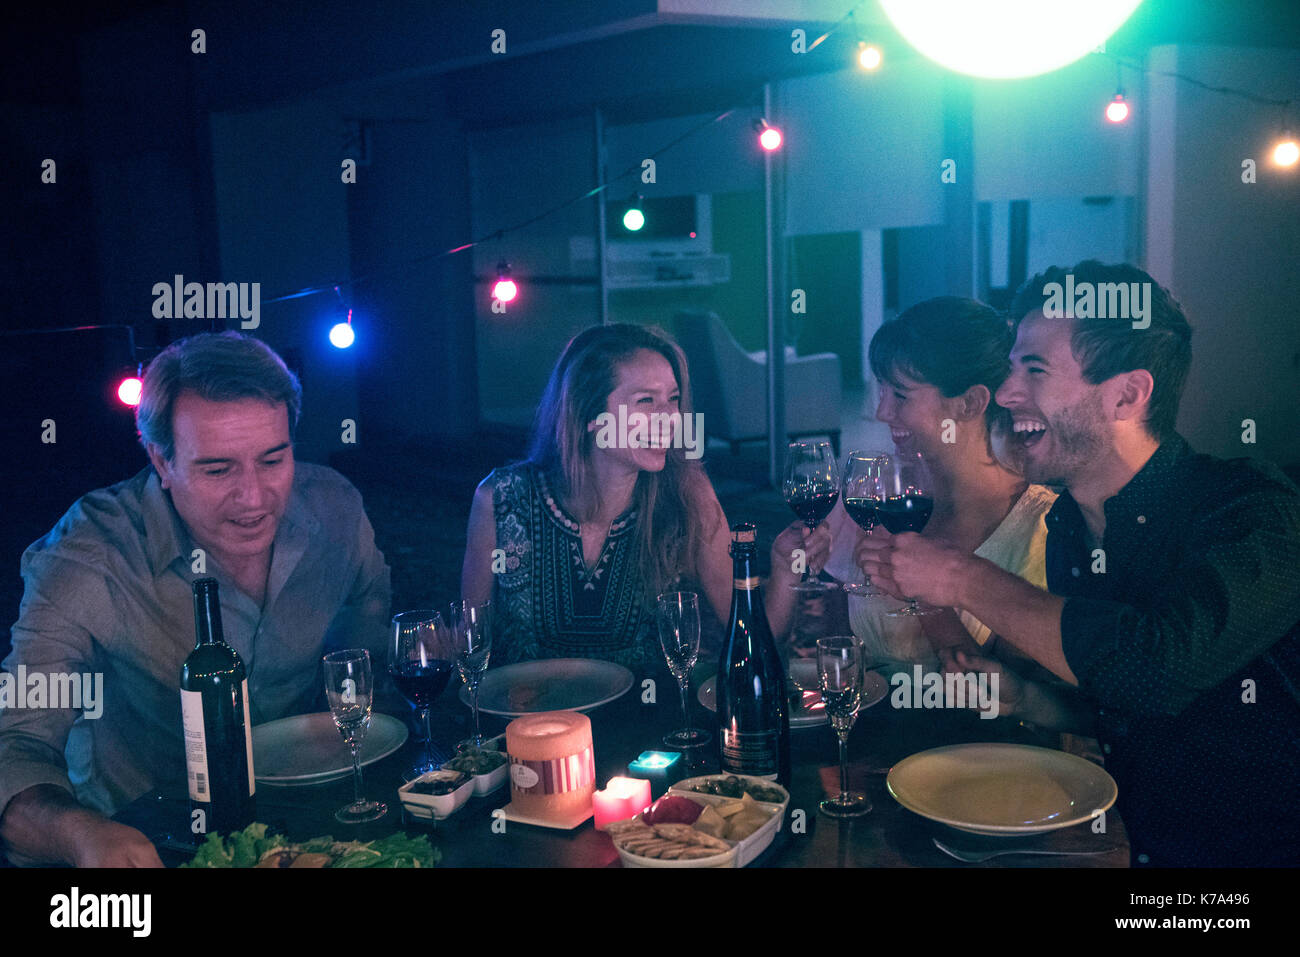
(45, 824)
(909, 566)
(1011, 687)
(96, 841)
(816, 545)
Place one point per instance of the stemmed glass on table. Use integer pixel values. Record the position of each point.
(909, 500)
(420, 661)
(842, 669)
(863, 491)
(811, 486)
(471, 636)
(349, 686)
(678, 614)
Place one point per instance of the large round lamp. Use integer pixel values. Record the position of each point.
(1005, 39)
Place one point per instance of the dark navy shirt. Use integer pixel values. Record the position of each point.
(1187, 639)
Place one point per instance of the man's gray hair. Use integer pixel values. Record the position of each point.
(219, 367)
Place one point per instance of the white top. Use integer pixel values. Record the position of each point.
(1018, 545)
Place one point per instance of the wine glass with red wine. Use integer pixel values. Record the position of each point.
(421, 662)
(811, 487)
(909, 500)
(863, 491)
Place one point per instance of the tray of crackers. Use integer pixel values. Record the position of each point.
(669, 845)
(687, 828)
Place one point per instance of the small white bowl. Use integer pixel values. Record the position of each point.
(436, 807)
(485, 784)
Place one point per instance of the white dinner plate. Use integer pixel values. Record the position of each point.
(308, 749)
(813, 712)
(1001, 789)
(550, 684)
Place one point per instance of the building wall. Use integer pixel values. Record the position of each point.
(1227, 249)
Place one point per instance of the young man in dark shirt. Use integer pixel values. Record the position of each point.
(1174, 577)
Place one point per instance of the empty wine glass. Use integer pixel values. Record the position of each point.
(811, 486)
(349, 685)
(862, 493)
(679, 636)
(420, 662)
(841, 667)
(909, 500)
(470, 626)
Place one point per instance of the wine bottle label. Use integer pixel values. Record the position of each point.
(248, 741)
(745, 584)
(753, 753)
(196, 746)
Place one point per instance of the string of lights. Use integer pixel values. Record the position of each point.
(497, 235)
(869, 57)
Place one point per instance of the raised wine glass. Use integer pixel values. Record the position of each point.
(679, 635)
(470, 626)
(811, 486)
(862, 493)
(349, 685)
(420, 662)
(840, 666)
(909, 500)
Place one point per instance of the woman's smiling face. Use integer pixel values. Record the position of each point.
(647, 388)
(914, 411)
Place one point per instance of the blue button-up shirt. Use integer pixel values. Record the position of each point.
(108, 591)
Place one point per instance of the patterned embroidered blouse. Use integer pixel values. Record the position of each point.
(549, 603)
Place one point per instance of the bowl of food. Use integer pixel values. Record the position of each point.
(735, 786)
(436, 795)
(489, 766)
(694, 829)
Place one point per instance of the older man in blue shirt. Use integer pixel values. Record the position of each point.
(108, 591)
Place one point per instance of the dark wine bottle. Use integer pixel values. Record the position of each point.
(753, 707)
(217, 727)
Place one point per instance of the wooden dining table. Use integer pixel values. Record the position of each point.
(890, 836)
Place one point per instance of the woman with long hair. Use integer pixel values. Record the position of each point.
(594, 523)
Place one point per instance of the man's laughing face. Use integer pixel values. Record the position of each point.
(1059, 424)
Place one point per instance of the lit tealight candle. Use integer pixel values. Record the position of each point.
(661, 768)
(622, 798)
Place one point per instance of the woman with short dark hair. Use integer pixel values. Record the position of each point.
(937, 366)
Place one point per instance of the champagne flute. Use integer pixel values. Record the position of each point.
(841, 667)
(863, 491)
(679, 635)
(909, 500)
(420, 665)
(811, 486)
(471, 635)
(348, 687)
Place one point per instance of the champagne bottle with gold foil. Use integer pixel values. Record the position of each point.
(753, 709)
